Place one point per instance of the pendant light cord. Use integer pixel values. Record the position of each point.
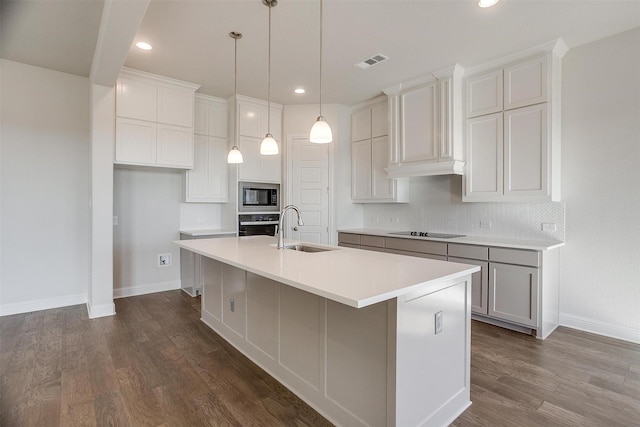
(320, 58)
(269, 79)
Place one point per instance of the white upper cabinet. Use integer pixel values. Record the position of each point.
(154, 120)
(525, 83)
(207, 182)
(484, 94)
(370, 156)
(250, 122)
(426, 125)
(513, 128)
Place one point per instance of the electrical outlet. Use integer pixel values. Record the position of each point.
(164, 260)
(485, 224)
(232, 305)
(438, 322)
(548, 226)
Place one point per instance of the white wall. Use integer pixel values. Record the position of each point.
(600, 264)
(147, 204)
(44, 192)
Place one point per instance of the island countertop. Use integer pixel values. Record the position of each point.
(353, 277)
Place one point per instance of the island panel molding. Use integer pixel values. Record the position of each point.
(356, 366)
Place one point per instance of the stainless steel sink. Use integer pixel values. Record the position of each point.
(305, 248)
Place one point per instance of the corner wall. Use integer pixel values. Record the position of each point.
(600, 264)
(44, 189)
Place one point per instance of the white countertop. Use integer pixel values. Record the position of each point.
(536, 245)
(208, 232)
(353, 277)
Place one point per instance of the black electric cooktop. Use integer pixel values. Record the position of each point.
(427, 234)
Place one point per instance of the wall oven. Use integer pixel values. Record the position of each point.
(258, 197)
(258, 224)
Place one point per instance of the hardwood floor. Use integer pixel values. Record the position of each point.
(156, 364)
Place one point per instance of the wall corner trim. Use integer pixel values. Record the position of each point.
(600, 328)
(102, 310)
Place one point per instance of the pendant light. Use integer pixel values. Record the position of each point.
(235, 156)
(269, 146)
(321, 131)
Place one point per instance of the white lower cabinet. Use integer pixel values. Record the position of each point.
(513, 293)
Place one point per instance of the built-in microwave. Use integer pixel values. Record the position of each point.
(258, 197)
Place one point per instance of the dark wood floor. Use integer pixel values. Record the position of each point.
(156, 364)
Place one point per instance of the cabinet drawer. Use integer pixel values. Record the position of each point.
(416, 254)
(372, 248)
(468, 251)
(376, 241)
(348, 245)
(423, 246)
(353, 239)
(515, 256)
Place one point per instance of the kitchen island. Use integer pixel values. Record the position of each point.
(365, 338)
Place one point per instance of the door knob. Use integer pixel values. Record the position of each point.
(295, 228)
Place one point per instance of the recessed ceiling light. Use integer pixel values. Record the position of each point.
(487, 3)
(299, 90)
(144, 46)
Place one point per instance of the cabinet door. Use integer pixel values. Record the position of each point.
(252, 120)
(418, 128)
(526, 152)
(446, 114)
(174, 146)
(484, 94)
(361, 125)
(381, 186)
(198, 178)
(483, 176)
(135, 142)
(234, 299)
(513, 293)
(525, 83)
(175, 106)
(276, 124)
(249, 170)
(212, 287)
(218, 119)
(361, 170)
(479, 284)
(379, 120)
(218, 190)
(201, 117)
(136, 99)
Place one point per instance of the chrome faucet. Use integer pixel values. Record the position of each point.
(280, 233)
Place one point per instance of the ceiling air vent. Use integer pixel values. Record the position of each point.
(370, 62)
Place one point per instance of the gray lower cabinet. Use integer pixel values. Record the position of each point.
(515, 288)
(513, 293)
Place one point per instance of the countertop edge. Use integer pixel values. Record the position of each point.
(536, 245)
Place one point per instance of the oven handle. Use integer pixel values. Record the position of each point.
(259, 222)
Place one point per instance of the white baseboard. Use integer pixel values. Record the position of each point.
(42, 304)
(102, 310)
(132, 291)
(601, 328)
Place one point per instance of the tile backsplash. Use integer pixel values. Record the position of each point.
(436, 205)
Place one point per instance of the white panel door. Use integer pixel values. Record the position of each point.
(484, 151)
(418, 131)
(526, 151)
(309, 191)
(174, 146)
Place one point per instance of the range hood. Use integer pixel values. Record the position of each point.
(452, 167)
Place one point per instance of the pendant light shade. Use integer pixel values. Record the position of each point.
(269, 146)
(321, 131)
(235, 156)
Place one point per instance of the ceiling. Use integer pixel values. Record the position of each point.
(191, 42)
